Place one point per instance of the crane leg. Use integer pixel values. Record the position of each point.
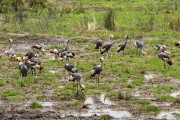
(98, 79)
(77, 88)
(164, 65)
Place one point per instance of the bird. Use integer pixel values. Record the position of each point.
(77, 77)
(65, 55)
(159, 47)
(165, 58)
(34, 66)
(97, 70)
(139, 45)
(122, 46)
(38, 47)
(55, 51)
(107, 46)
(30, 55)
(9, 52)
(70, 68)
(143, 52)
(98, 44)
(23, 69)
(67, 45)
(10, 43)
(177, 43)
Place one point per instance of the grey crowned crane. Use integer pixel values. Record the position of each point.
(70, 68)
(139, 45)
(177, 43)
(160, 47)
(97, 70)
(106, 47)
(65, 55)
(76, 77)
(122, 46)
(98, 44)
(23, 69)
(165, 58)
(67, 45)
(10, 43)
(38, 47)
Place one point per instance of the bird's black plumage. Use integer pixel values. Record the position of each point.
(98, 44)
(70, 68)
(30, 55)
(122, 46)
(106, 47)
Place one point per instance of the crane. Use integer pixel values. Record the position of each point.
(38, 47)
(165, 58)
(177, 43)
(107, 46)
(97, 70)
(98, 44)
(70, 68)
(122, 46)
(77, 77)
(139, 46)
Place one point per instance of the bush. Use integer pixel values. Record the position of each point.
(109, 20)
(174, 24)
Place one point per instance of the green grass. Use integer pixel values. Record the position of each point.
(150, 108)
(166, 97)
(121, 75)
(35, 105)
(7, 93)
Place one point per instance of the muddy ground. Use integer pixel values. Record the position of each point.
(93, 106)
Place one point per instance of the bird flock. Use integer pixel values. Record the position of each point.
(31, 62)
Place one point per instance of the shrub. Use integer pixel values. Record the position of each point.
(109, 20)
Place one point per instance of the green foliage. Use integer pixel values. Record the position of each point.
(150, 108)
(7, 93)
(35, 105)
(174, 23)
(109, 20)
(2, 83)
(166, 97)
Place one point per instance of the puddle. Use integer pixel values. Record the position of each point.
(105, 100)
(52, 71)
(115, 114)
(94, 110)
(89, 101)
(170, 115)
(175, 94)
(136, 94)
(150, 76)
(45, 104)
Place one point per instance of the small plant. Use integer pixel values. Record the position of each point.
(40, 97)
(109, 20)
(166, 97)
(35, 105)
(105, 117)
(2, 83)
(150, 108)
(174, 23)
